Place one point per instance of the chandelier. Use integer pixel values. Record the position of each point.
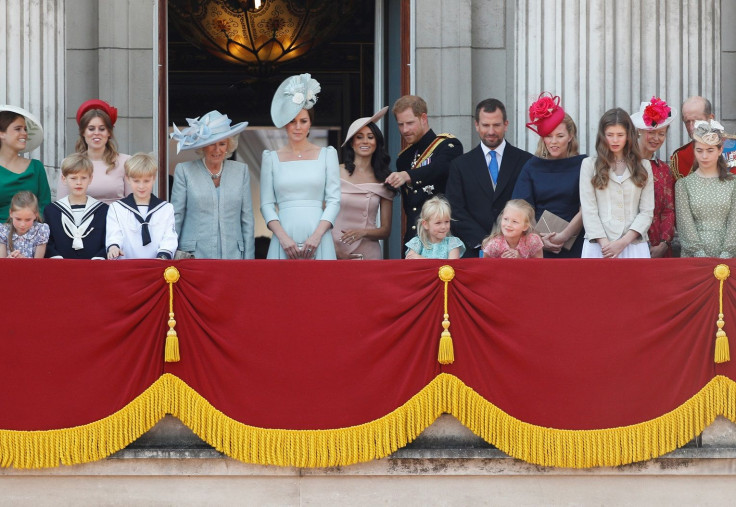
(258, 34)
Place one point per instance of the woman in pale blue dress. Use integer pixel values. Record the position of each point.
(300, 183)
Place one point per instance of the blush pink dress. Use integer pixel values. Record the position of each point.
(359, 204)
(529, 245)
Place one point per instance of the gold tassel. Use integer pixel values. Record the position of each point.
(721, 272)
(446, 353)
(171, 353)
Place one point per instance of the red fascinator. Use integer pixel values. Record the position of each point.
(112, 112)
(545, 114)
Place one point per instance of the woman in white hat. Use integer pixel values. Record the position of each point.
(211, 195)
(20, 132)
(705, 200)
(96, 120)
(301, 179)
(653, 121)
(365, 168)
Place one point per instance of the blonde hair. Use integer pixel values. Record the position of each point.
(22, 200)
(573, 147)
(77, 163)
(520, 205)
(140, 165)
(232, 145)
(437, 206)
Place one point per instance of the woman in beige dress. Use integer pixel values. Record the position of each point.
(365, 167)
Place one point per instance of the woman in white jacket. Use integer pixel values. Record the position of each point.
(616, 192)
(211, 195)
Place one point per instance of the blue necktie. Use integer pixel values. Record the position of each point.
(493, 168)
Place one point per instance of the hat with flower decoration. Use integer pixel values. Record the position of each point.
(709, 132)
(653, 115)
(111, 111)
(293, 95)
(545, 114)
(205, 130)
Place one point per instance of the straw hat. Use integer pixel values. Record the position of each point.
(362, 122)
(653, 115)
(293, 95)
(33, 126)
(205, 130)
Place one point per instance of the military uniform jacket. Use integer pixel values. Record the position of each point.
(428, 176)
(76, 236)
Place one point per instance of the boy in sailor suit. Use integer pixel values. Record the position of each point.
(76, 222)
(141, 226)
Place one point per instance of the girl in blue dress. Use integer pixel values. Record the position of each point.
(434, 240)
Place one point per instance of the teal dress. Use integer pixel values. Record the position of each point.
(439, 250)
(32, 179)
(305, 192)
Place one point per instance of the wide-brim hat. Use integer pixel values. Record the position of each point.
(205, 130)
(362, 122)
(653, 115)
(111, 111)
(293, 94)
(545, 114)
(33, 126)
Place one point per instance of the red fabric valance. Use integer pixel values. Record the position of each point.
(284, 345)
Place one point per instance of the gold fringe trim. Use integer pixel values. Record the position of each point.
(309, 448)
(89, 442)
(590, 448)
(372, 440)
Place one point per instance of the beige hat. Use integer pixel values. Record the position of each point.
(709, 132)
(362, 122)
(33, 126)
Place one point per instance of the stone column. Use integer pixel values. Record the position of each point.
(32, 70)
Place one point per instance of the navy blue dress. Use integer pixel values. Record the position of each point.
(553, 185)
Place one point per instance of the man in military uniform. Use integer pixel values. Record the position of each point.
(422, 167)
(693, 109)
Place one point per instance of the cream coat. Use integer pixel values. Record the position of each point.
(201, 217)
(620, 207)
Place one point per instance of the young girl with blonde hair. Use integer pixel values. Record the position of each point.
(434, 240)
(513, 237)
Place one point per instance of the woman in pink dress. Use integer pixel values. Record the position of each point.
(652, 121)
(366, 166)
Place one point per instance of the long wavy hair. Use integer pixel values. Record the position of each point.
(631, 152)
(22, 200)
(111, 148)
(379, 160)
(573, 148)
(6, 118)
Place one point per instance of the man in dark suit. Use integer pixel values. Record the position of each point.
(481, 181)
(422, 167)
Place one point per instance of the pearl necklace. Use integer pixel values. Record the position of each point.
(217, 174)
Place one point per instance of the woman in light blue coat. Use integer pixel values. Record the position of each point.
(211, 196)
